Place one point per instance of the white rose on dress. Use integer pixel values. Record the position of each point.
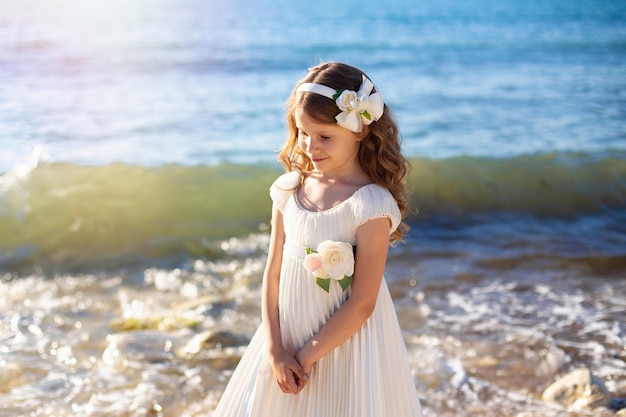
(337, 259)
(347, 100)
(332, 260)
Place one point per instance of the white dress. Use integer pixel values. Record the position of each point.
(366, 376)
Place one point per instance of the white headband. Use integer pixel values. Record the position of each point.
(357, 108)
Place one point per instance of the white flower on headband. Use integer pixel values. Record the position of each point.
(347, 100)
(357, 108)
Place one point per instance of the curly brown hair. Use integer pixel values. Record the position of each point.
(379, 154)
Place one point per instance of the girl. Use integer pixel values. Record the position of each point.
(330, 344)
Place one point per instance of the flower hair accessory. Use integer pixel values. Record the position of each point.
(332, 260)
(357, 108)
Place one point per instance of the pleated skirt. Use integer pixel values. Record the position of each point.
(366, 376)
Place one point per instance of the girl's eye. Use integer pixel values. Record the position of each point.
(301, 134)
(324, 137)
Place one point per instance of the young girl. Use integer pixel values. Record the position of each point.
(330, 344)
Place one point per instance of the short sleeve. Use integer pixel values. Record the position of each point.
(282, 189)
(375, 202)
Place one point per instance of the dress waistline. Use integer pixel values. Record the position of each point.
(294, 250)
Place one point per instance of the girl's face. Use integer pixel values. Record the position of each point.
(329, 146)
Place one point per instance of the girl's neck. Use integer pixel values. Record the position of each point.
(322, 191)
(356, 177)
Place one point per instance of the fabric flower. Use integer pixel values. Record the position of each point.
(337, 258)
(359, 108)
(347, 100)
(313, 262)
(332, 260)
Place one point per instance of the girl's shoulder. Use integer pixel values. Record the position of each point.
(283, 187)
(288, 181)
(375, 201)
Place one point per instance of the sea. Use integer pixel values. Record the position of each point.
(138, 140)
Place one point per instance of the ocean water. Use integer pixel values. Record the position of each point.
(138, 141)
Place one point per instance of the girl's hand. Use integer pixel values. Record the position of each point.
(289, 374)
(306, 366)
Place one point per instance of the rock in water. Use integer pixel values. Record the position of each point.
(215, 339)
(619, 405)
(578, 390)
(219, 349)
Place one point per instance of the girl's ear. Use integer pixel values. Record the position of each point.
(360, 136)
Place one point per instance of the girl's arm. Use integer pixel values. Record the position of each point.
(372, 243)
(288, 372)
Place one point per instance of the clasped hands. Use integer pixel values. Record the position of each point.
(291, 375)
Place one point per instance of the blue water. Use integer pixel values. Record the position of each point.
(198, 82)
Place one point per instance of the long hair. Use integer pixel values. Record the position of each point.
(379, 153)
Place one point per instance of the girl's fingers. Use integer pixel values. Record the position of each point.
(290, 375)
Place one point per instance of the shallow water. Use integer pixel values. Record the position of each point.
(481, 339)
